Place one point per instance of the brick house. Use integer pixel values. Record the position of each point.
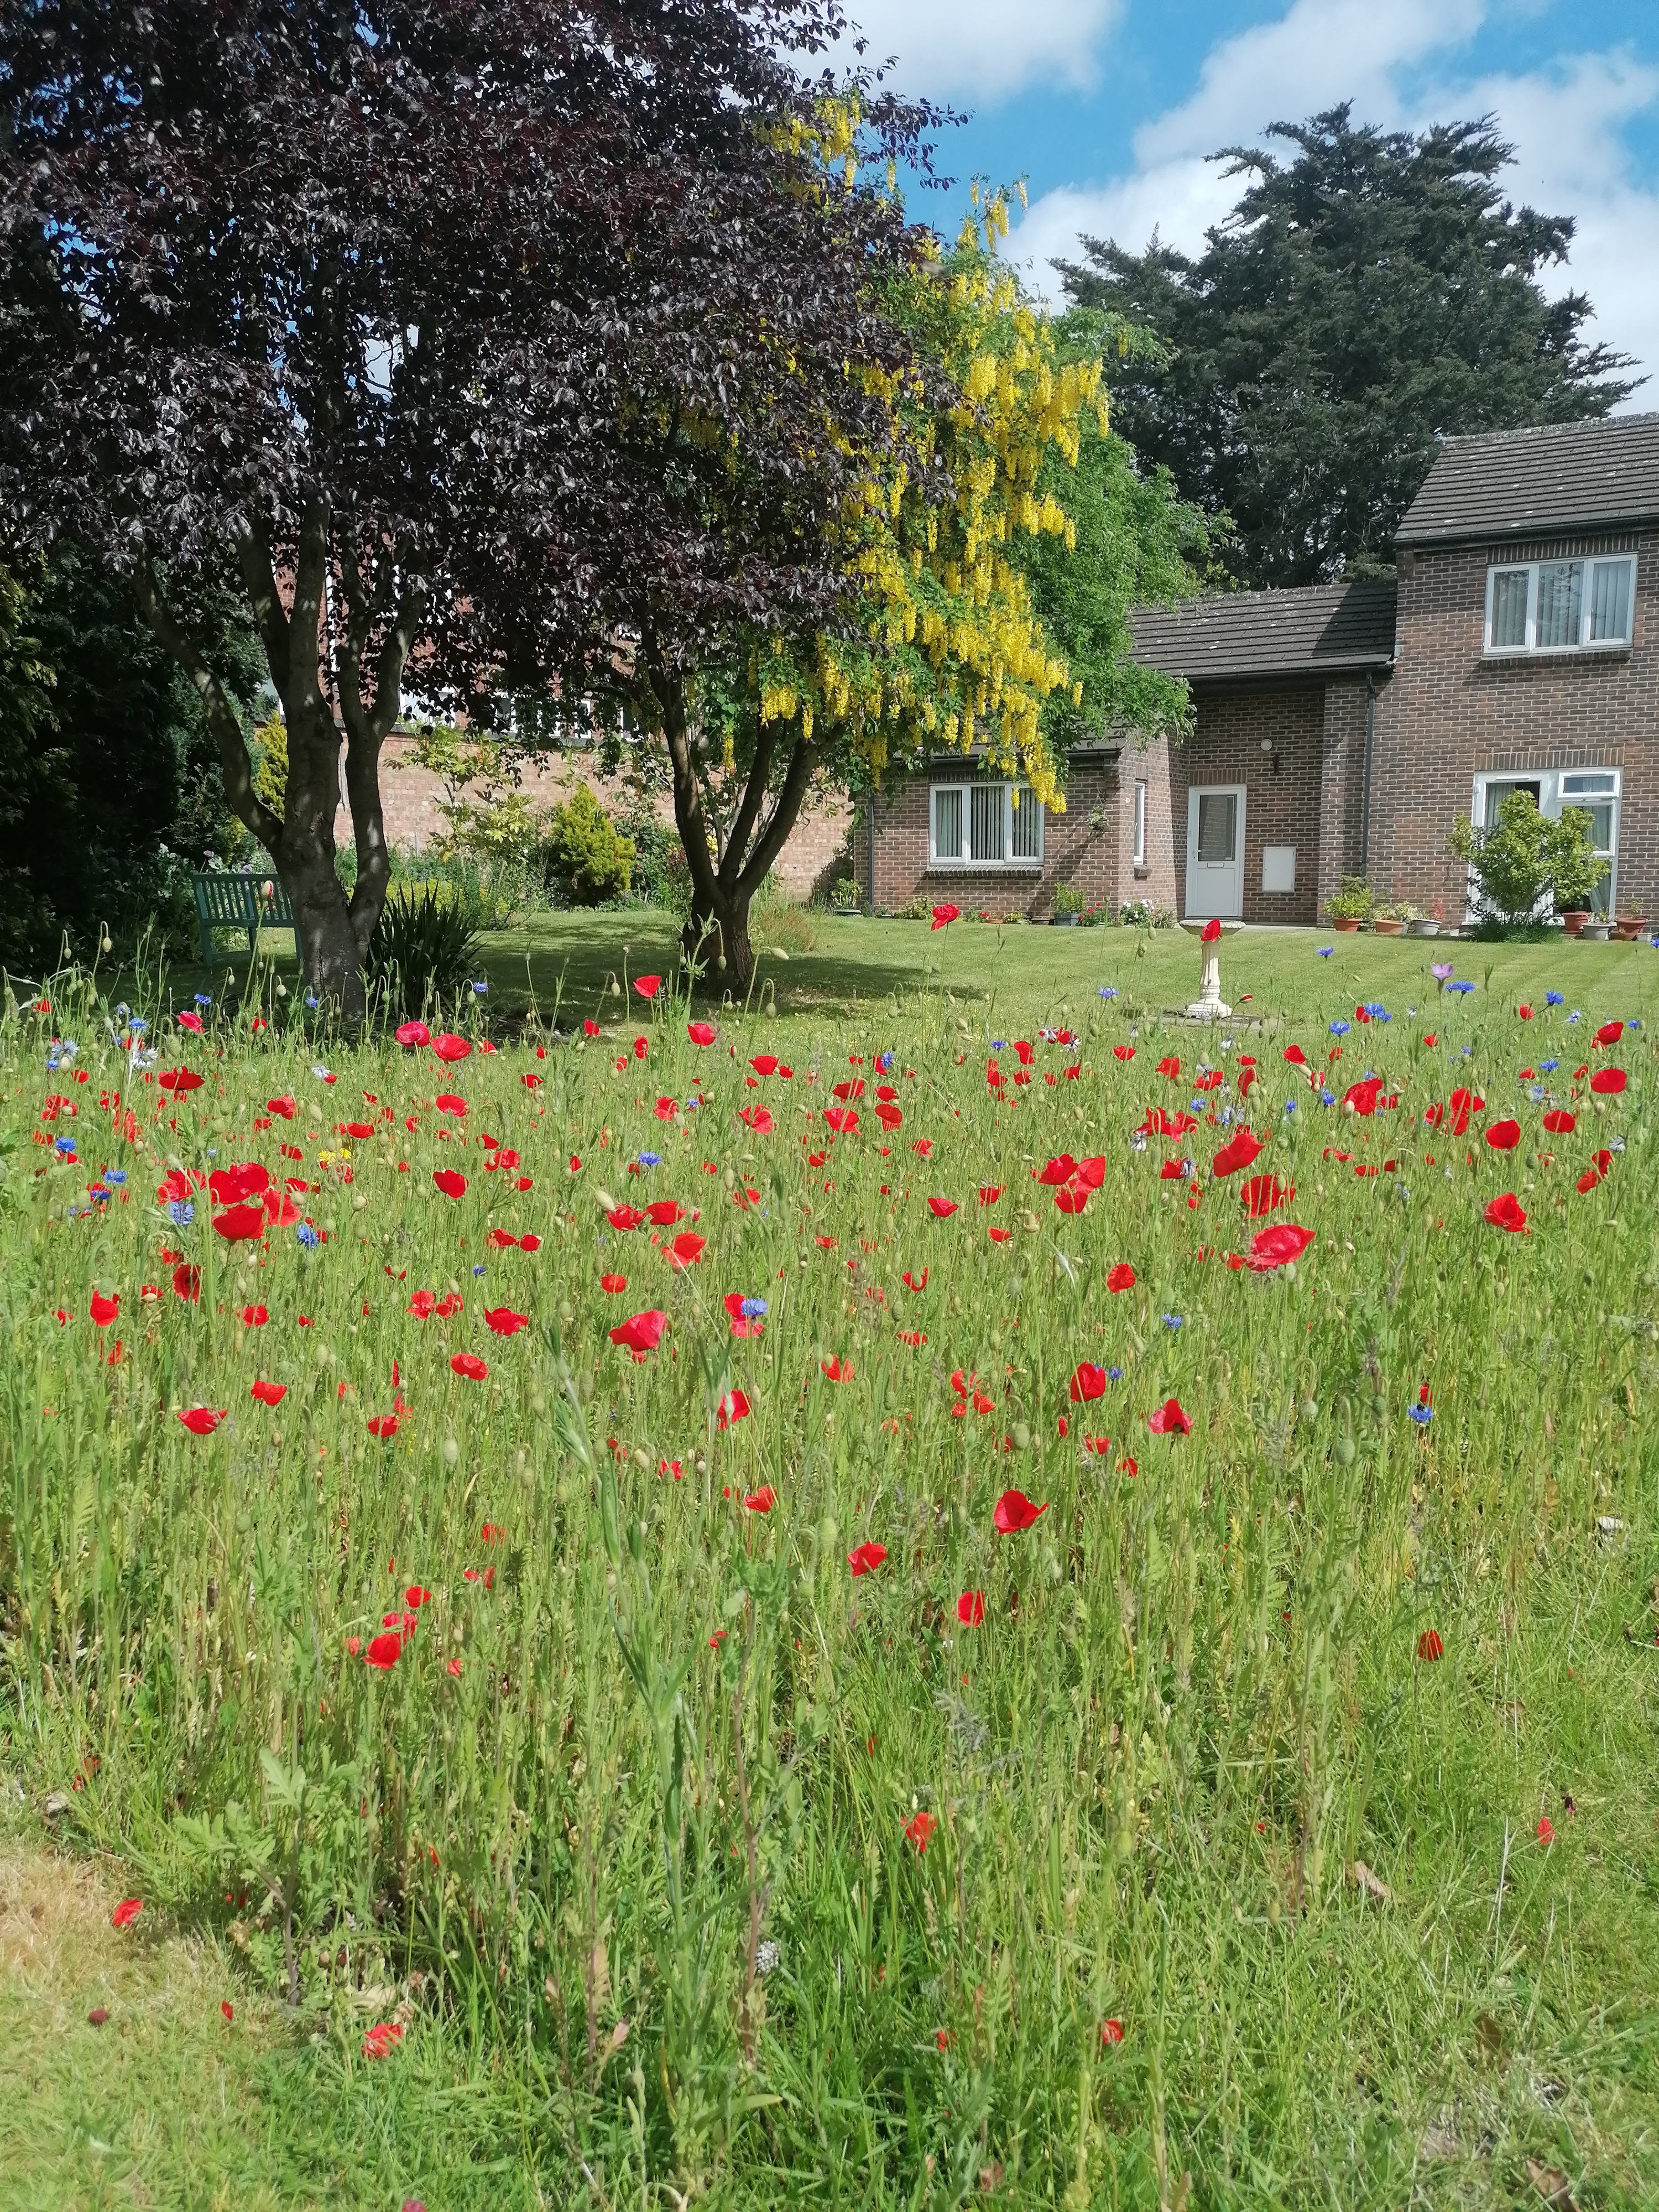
(1342, 729)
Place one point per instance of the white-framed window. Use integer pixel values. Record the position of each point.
(1140, 826)
(984, 825)
(1595, 791)
(1560, 607)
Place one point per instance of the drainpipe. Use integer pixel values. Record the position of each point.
(870, 906)
(1365, 794)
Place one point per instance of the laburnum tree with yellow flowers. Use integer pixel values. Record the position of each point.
(955, 542)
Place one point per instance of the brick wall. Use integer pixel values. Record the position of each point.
(1155, 882)
(1282, 805)
(409, 796)
(1450, 714)
(1342, 784)
(1077, 849)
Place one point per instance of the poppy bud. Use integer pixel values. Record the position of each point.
(452, 1452)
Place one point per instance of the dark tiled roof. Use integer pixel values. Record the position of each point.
(1324, 630)
(1520, 483)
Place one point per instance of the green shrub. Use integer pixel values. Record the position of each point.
(1354, 901)
(1525, 857)
(424, 952)
(586, 856)
(662, 875)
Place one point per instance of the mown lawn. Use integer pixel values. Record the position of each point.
(1064, 1703)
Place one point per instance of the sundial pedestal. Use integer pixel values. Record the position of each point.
(1210, 1006)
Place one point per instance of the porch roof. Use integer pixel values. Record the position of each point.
(1321, 629)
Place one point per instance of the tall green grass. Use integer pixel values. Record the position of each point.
(1180, 1878)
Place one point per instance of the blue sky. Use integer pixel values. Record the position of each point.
(1108, 108)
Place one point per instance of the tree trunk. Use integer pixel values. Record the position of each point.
(716, 938)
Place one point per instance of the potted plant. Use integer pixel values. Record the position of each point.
(844, 895)
(1068, 905)
(1573, 922)
(1575, 871)
(1391, 920)
(1629, 927)
(1351, 904)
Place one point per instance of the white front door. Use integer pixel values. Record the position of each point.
(1215, 852)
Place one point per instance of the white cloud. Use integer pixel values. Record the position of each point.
(983, 50)
(1567, 125)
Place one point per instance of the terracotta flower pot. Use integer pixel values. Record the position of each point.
(1628, 927)
(1573, 923)
(1390, 928)
(1347, 923)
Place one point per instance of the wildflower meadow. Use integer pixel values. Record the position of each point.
(888, 1610)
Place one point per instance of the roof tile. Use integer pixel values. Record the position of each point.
(1521, 483)
(1323, 630)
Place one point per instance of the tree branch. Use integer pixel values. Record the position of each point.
(237, 767)
(689, 816)
(785, 814)
(253, 553)
(754, 791)
(310, 582)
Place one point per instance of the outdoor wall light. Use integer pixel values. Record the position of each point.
(1270, 746)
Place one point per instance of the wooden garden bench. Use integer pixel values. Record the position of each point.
(239, 901)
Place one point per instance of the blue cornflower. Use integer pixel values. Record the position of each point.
(1554, 999)
(1328, 1098)
(690, 1103)
(123, 1010)
(481, 986)
(1549, 1066)
(115, 1175)
(97, 1192)
(202, 1000)
(52, 1063)
(1423, 1415)
(1172, 1321)
(1339, 1029)
(138, 1025)
(650, 1159)
(997, 1043)
(1115, 1374)
(311, 999)
(884, 1061)
(1575, 1016)
(307, 1236)
(1462, 989)
(478, 1271)
(1326, 951)
(1290, 1105)
(1535, 1092)
(66, 1145)
(1633, 1025)
(181, 1212)
(1109, 991)
(1378, 1012)
(752, 1309)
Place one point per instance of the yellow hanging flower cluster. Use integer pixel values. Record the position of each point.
(952, 653)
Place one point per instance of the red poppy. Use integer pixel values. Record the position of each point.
(1169, 1066)
(469, 1366)
(422, 1305)
(1272, 1248)
(1600, 1162)
(1121, 1277)
(414, 1033)
(1560, 1122)
(1504, 1136)
(942, 1208)
(237, 1223)
(759, 1120)
(1057, 1171)
(384, 1426)
(1087, 1383)
(970, 1608)
(732, 1408)
(1507, 1212)
(202, 1420)
(1015, 1512)
(701, 1032)
(528, 1243)
(126, 1913)
(1111, 2030)
(269, 1394)
(625, 1216)
(742, 1324)
(944, 916)
(187, 1281)
(1546, 1830)
(663, 1212)
(1429, 1646)
(919, 1827)
(252, 1316)
(382, 2040)
(103, 1309)
(1609, 1033)
(686, 1248)
(450, 1047)
(180, 1080)
(452, 1184)
(1169, 1420)
(229, 1185)
(503, 1322)
(1238, 1154)
(1259, 1194)
(1363, 1095)
(911, 1283)
(1210, 933)
(837, 1368)
(762, 1500)
(1123, 1052)
(866, 1558)
(1609, 1082)
(648, 985)
(1072, 1200)
(613, 1283)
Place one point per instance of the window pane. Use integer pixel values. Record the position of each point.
(1028, 825)
(1497, 792)
(1509, 607)
(1217, 825)
(1141, 825)
(947, 825)
(1560, 596)
(1573, 784)
(1610, 600)
(989, 802)
(1600, 819)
